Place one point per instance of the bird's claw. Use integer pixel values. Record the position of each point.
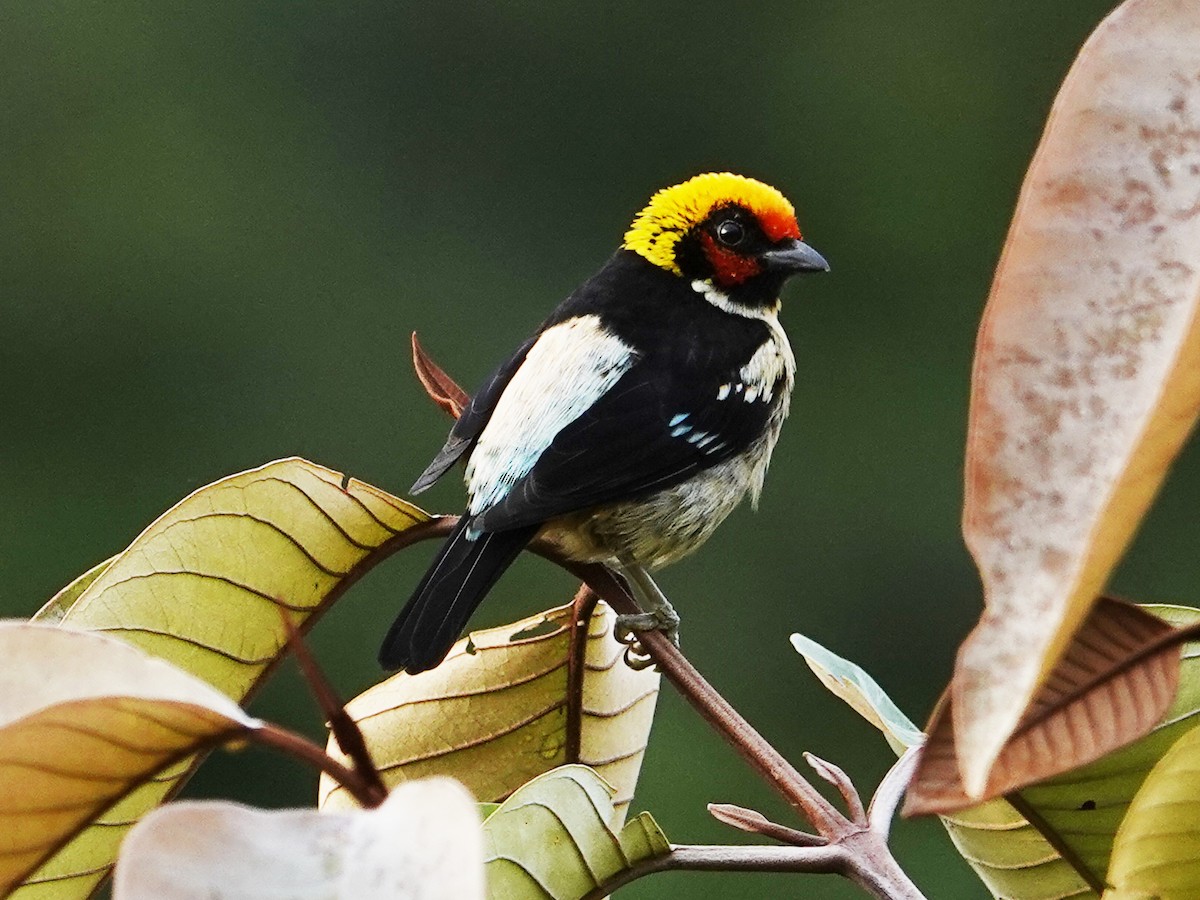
(629, 626)
(635, 657)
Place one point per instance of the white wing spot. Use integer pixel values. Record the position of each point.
(569, 368)
(680, 430)
(724, 390)
(675, 420)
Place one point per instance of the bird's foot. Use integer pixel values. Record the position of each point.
(629, 626)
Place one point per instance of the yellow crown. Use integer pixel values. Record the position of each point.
(674, 211)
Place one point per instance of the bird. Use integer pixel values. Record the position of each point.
(640, 413)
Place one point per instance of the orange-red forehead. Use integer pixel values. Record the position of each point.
(777, 223)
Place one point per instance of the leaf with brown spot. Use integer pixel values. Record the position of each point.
(1087, 366)
(441, 388)
(85, 718)
(494, 714)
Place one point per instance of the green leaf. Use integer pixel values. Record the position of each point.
(57, 606)
(862, 692)
(1085, 807)
(494, 713)
(204, 587)
(1154, 855)
(554, 838)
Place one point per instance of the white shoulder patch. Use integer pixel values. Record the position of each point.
(569, 368)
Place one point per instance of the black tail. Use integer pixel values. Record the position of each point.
(461, 575)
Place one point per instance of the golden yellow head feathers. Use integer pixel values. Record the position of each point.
(674, 211)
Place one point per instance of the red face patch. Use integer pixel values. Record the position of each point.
(729, 268)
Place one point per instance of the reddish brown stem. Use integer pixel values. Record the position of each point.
(718, 712)
(582, 608)
(367, 794)
(344, 729)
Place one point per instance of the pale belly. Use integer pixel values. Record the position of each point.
(666, 526)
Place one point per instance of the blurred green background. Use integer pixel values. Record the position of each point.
(220, 221)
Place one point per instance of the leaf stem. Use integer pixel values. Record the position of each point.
(343, 728)
(582, 608)
(368, 794)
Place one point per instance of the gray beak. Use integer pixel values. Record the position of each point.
(794, 256)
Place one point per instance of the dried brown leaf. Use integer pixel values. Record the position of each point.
(441, 388)
(1087, 368)
(1114, 684)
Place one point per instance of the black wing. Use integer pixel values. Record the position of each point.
(651, 431)
(473, 419)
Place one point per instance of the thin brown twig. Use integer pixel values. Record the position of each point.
(718, 712)
(582, 608)
(863, 854)
(868, 861)
(344, 729)
(300, 747)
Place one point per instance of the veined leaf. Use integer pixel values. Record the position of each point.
(1154, 855)
(83, 719)
(1083, 808)
(554, 838)
(56, 607)
(1087, 367)
(423, 843)
(204, 586)
(862, 692)
(494, 714)
(1117, 679)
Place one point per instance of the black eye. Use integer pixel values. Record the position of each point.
(730, 233)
